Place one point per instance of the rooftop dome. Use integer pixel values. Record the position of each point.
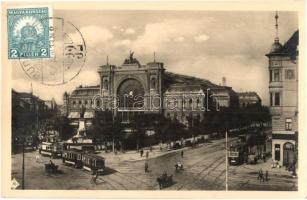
(276, 46)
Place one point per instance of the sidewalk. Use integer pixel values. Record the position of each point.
(245, 177)
(267, 166)
(133, 155)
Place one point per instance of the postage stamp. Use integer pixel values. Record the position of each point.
(28, 33)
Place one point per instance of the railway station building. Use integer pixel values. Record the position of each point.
(132, 88)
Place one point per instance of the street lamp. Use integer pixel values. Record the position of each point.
(23, 162)
(226, 136)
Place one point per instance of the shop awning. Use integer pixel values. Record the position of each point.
(89, 115)
(74, 115)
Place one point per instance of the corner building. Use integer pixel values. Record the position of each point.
(283, 88)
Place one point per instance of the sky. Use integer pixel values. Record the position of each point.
(204, 44)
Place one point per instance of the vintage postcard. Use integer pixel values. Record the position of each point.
(153, 100)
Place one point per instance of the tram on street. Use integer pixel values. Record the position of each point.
(81, 159)
(72, 157)
(51, 149)
(93, 162)
(237, 154)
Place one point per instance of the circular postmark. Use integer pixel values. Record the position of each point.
(67, 51)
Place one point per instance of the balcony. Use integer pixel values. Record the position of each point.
(276, 84)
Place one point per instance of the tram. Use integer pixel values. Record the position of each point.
(81, 159)
(237, 154)
(72, 157)
(51, 149)
(93, 162)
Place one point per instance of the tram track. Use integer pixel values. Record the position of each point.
(189, 182)
(140, 182)
(221, 161)
(111, 181)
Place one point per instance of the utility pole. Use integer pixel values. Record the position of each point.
(23, 163)
(226, 160)
(113, 132)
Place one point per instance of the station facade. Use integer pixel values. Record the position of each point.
(133, 88)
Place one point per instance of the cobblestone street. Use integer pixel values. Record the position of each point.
(204, 169)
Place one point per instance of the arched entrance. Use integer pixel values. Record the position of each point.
(288, 153)
(130, 94)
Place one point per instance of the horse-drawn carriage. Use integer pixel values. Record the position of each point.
(178, 166)
(165, 180)
(51, 168)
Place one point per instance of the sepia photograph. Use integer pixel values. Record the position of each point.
(152, 99)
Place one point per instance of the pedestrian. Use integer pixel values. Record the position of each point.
(141, 152)
(260, 175)
(146, 167)
(147, 154)
(182, 154)
(50, 162)
(37, 158)
(266, 175)
(94, 177)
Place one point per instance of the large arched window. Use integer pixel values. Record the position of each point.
(153, 83)
(106, 84)
(131, 94)
(97, 103)
(197, 103)
(190, 103)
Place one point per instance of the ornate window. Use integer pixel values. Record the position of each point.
(288, 146)
(288, 124)
(97, 103)
(197, 103)
(275, 99)
(289, 74)
(190, 103)
(271, 75)
(277, 76)
(106, 84)
(153, 83)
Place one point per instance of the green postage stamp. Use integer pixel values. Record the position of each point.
(28, 33)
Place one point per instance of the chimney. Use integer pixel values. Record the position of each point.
(224, 81)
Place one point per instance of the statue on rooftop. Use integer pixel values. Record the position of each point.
(131, 59)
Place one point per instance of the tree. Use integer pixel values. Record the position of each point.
(62, 124)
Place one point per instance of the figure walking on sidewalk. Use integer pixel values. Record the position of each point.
(260, 175)
(266, 175)
(94, 177)
(146, 167)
